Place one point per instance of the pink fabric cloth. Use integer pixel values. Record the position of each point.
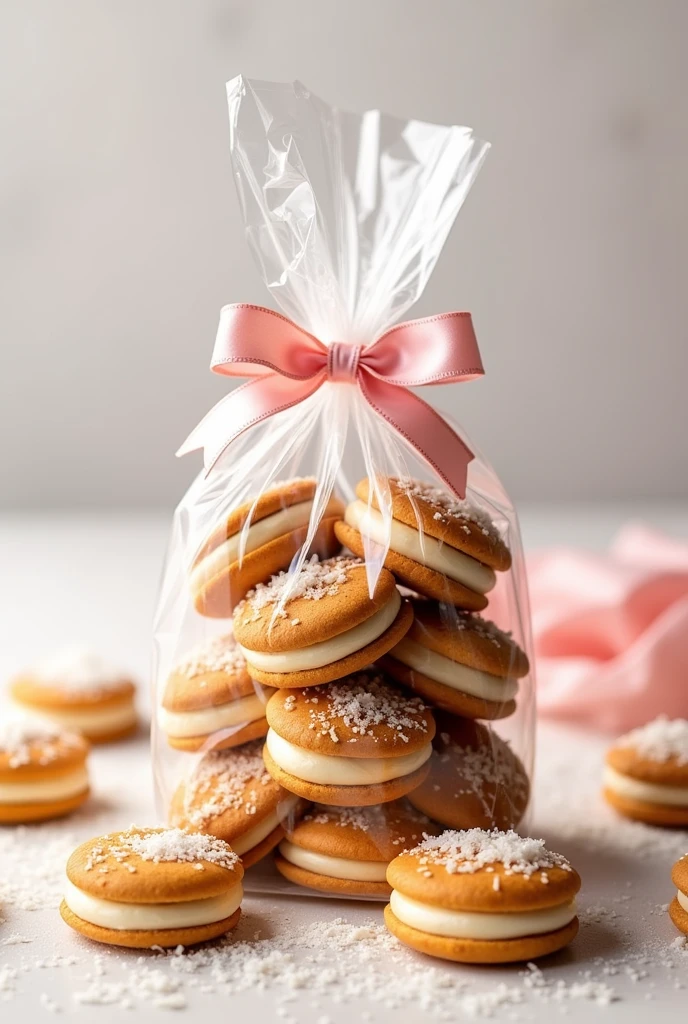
(611, 630)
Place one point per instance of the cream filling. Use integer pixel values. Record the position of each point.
(180, 724)
(452, 673)
(327, 651)
(151, 916)
(92, 721)
(262, 532)
(247, 840)
(682, 899)
(459, 924)
(649, 792)
(333, 867)
(45, 790)
(407, 541)
(326, 770)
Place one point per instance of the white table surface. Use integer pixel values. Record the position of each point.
(92, 579)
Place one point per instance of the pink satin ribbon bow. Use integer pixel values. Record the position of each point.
(287, 364)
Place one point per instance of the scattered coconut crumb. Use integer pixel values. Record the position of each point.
(664, 739)
(216, 654)
(24, 739)
(315, 581)
(226, 780)
(473, 849)
(447, 506)
(77, 671)
(365, 705)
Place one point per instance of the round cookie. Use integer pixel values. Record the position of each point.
(458, 661)
(278, 526)
(77, 690)
(321, 624)
(231, 795)
(153, 887)
(211, 701)
(352, 743)
(678, 908)
(475, 779)
(646, 773)
(479, 897)
(43, 771)
(346, 850)
(439, 546)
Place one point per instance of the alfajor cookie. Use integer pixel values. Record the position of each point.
(678, 908)
(211, 701)
(458, 661)
(474, 780)
(77, 690)
(482, 897)
(646, 773)
(257, 540)
(43, 771)
(439, 546)
(346, 850)
(153, 887)
(352, 743)
(231, 795)
(320, 624)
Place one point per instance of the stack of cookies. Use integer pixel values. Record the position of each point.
(355, 705)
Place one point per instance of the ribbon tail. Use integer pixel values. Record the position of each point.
(247, 405)
(422, 427)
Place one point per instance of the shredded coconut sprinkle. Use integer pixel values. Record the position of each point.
(474, 849)
(484, 771)
(77, 670)
(315, 581)
(446, 505)
(364, 704)
(25, 739)
(664, 739)
(169, 845)
(226, 780)
(216, 654)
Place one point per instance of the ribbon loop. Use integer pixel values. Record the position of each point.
(286, 364)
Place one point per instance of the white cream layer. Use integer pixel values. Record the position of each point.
(204, 721)
(327, 651)
(458, 924)
(262, 532)
(648, 792)
(92, 721)
(452, 673)
(247, 840)
(45, 790)
(326, 770)
(151, 916)
(333, 867)
(407, 541)
(682, 899)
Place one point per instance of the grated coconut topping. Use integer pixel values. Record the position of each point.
(315, 581)
(171, 845)
(485, 770)
(447, 506)
(226, 780)
(664, 739)
(20, 738)
(473, 849)
(363, 704)
(216, 654)
(77, 671)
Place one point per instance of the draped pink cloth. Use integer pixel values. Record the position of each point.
(611, 630)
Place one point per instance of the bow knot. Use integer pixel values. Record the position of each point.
(286, 365)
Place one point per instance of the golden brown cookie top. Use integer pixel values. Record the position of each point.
(154, 865)
(212, 673)
(467, 638)
(375, 833)
(325, 599)
(33, 749)
(228, 789)
(73, 677)
(359, 716)
(655, 753)
(484, 871)
(457, 522)
(679, 874)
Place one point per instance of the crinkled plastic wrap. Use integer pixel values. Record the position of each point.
(346, 215)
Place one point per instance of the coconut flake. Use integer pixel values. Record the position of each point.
(447, 506)
(664, 739)
(77, 671)
(313, 582)
(25, 739)
(216, 654)
(473, 849)
(364, 704)
(225, 780)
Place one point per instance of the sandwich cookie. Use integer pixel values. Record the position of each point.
(439, 546)
(458, 661)
(482, 897)
(77, 690)
(211, 701)
(347, 849)
(646, 773)
(678, 908)
(474, 781)
(153, 887)
(42, 771)
(231, 795)
(255, 541)
(352, 743)
(320, 624)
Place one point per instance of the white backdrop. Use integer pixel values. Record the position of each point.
(121, 238)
